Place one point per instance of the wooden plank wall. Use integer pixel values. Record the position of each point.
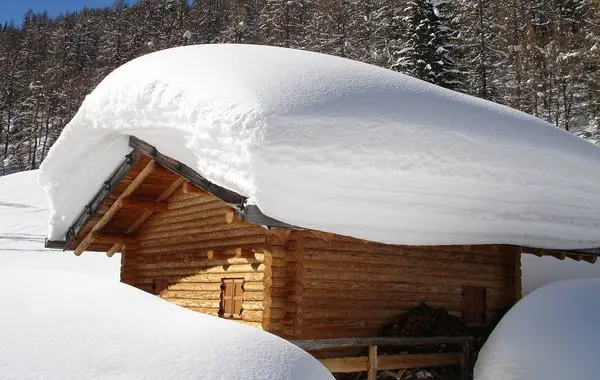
(352, 289)
(172, 251)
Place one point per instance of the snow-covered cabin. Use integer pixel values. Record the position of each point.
(313, 196)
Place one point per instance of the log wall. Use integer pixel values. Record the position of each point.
(183, 254)
(303, 284)
(351, 289)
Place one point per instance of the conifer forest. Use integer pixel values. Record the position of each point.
(538, 56)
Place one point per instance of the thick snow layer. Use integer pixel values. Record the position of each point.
(24, 217)
(60, 325)
(336, 145)
(552, 334)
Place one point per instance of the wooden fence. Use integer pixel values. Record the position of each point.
(374, 362)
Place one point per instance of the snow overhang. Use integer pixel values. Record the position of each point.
(248, 213)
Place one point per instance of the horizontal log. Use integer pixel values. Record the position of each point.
(392, 362)
(180, 200)
(187, 294)
(213, 287)
(170, 228)
(417, 278)
(185, 212)
(326, 344)
(198, 278)
(232, 242)
(236, 268)
(148, 241)
(105, 238)
(399, 286)
(168, 261)
(462, 271)
(209, 295)
(410, 258)
(252, 305)
(136, 204)
(326, 324)
(172, 217)
(195, 303)
(200, 228)
(323, 298)
(357, 246)
(353, 313)
(252, 315)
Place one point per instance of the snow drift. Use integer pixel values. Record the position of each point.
(23, 226)
(70, 326)
(551, 334)
(336, 145)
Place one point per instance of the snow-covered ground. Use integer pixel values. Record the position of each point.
(67, 317)
(61, 325)
(552, 334)
(24, 218)
(336, 145)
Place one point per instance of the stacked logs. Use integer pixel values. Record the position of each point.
(426, 321)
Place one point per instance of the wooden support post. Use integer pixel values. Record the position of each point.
(116, 206)
(464, 361)
(372, 364)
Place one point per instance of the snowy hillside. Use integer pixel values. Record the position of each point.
(336, 145)
(24, 218)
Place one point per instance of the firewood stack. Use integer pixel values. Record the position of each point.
(425, 321)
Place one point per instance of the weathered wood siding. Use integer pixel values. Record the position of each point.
(304, 285)
(348, 288)
(172, 252)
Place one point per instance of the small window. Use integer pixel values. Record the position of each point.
(474, 304)
(232, 296)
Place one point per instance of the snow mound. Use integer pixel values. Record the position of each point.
(336, 145)
(24, 225)
(552, 334)
(71, 326)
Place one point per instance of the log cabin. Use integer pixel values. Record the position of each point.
(202, 247)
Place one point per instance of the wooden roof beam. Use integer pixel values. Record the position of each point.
(189, 188)
(116, 206)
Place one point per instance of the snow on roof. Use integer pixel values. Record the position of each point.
(336, 145)
(60, 325)
(551, 334)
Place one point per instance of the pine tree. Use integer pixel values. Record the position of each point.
(428, 52)
(483, 44)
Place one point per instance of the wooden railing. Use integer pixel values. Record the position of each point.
(374, 362)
